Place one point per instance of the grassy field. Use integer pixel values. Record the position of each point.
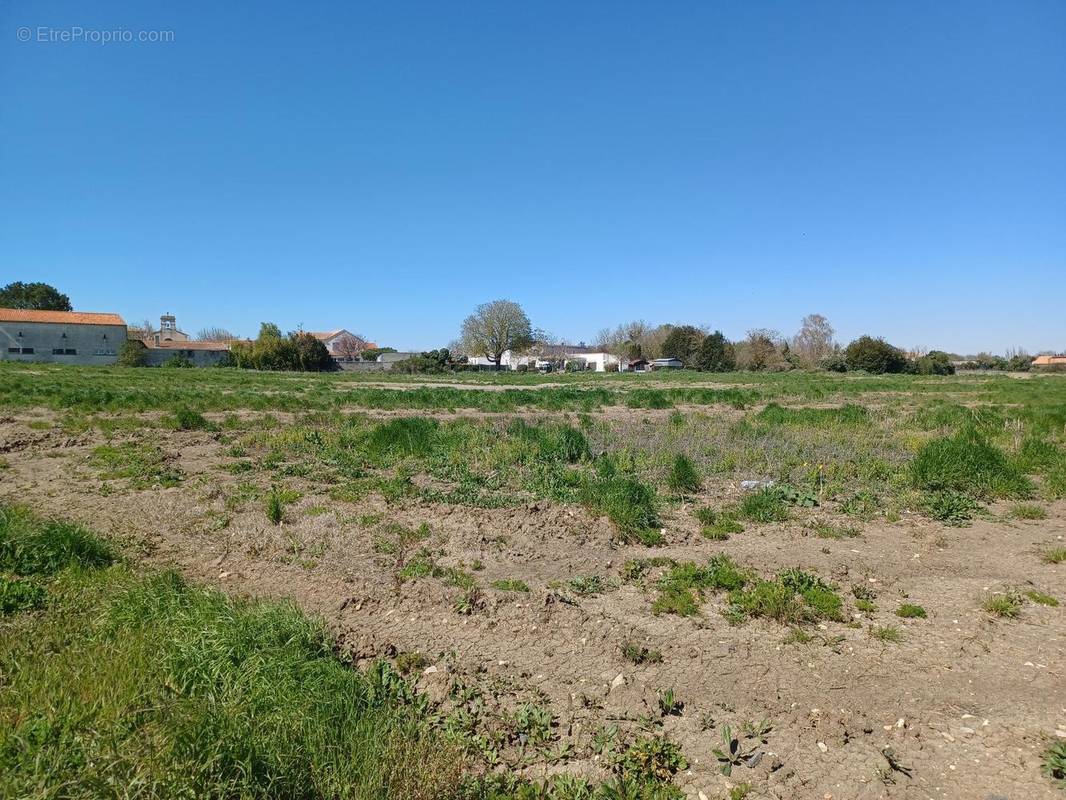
(519, 578)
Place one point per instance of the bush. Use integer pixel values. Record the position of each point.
(133, 353)
(683, 477)
(968, 464)
(297, 352)
(875, 356)
(934, 363)
(178, 361)
(835, 362)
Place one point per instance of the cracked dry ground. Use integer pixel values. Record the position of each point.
(964, 704)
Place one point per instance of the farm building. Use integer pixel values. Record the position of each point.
(1049, 361)
(65, 337)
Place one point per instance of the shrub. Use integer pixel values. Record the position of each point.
(875, 356)
(133, 353)
(967, 463)
(683, 477)
(935, 362)
(178, 361)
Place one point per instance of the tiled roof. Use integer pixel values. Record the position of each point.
(324, 336)
(60, 317)
(1044, 361)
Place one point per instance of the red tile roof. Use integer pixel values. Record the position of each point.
(60, 317)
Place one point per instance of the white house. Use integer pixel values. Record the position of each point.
(595, 362)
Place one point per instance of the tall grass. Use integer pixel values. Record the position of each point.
(967, 463)
(132, 686)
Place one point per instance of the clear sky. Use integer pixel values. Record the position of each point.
(897, 166)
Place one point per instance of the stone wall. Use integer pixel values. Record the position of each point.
(61, 343)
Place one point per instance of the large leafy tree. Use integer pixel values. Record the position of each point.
(34, 296)
(874, 355)
(683, 342)
(716, 354)
(494, 328)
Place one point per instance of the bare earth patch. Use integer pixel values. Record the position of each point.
(960, 707)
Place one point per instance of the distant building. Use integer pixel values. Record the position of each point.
(1049, 361)
(338, 341)
(168, 331)
(666, 363)
(65, 337)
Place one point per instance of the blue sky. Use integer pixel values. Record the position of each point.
(897, 166)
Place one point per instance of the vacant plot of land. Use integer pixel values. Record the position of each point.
(812, 585)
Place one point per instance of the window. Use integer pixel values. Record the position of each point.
(57, 351)
(14, 349)
(64, 351)
(70, 352)
(105, 337)
(27, 351)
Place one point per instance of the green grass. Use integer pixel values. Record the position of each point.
(20, 595)
(127, 680)
(1028, 511)
(144, 464)
(510, 585)
(847, 415)
(889, 634)
(1007, 605)
(30, 546)
(911, 611)
(968, 464)
(683, 477)
(1042, 598)
(1053, 555)
(630, 504)
(764, 505)
(1053, 764)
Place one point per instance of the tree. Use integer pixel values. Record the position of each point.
(716, 354)
(935, 362)
(33, 296)
(311, 353)
(268, 330)
(272, 351)
(350, 346)
(683, 342)
(761, 350)
(874, 355)
(814, 342)
(215, 334)
(495, 328)
(141, 331)
(133, 353)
